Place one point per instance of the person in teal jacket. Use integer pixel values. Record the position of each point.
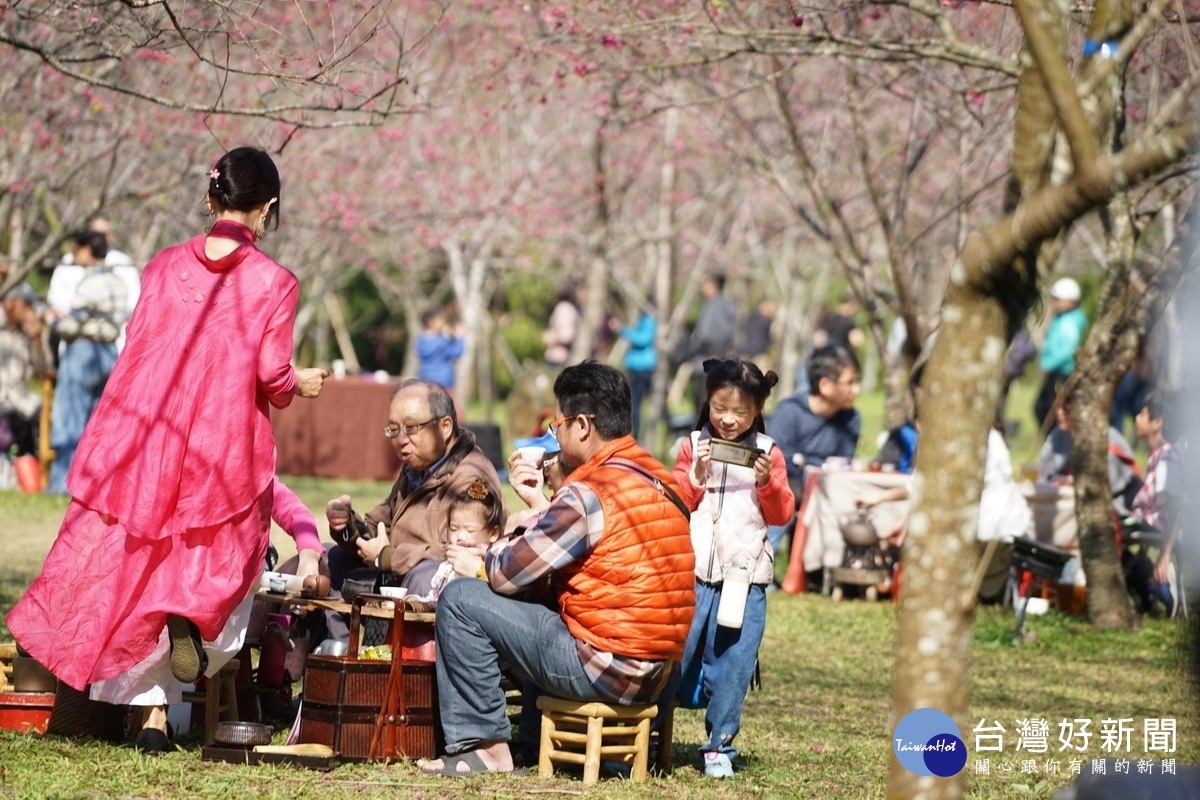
(1057, 358)
(640, 361)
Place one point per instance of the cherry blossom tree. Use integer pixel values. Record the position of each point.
(1060, 172)
(123, 105)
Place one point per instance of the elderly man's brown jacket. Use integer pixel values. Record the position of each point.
(417, 520)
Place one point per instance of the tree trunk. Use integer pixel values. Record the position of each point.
(1109, 351)
(988, 296)
(1101, 363)
(663, 282)
(596, 301)
(961, 390)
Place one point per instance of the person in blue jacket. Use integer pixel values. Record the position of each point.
(438, 347)
(1064, 337)
(640, 360)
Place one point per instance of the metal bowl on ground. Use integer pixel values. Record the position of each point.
(242, 734)
(331, 647)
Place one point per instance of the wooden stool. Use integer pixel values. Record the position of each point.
(219, 698)
(621, 733)
(664, 739)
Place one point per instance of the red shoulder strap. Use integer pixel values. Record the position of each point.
(1124, 455)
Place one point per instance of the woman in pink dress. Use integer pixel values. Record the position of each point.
(171, 487)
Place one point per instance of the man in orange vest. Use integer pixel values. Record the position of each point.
(612, 549)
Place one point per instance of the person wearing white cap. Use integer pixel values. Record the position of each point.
(1057, 358)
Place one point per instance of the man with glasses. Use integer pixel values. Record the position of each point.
(439, 461)
(614, 552)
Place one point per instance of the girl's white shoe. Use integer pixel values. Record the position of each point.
(717, 765)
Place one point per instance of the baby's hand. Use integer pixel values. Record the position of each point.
(465, 560)
(478, 548)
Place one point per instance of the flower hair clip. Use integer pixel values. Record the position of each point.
(477, 491)
(214, 173)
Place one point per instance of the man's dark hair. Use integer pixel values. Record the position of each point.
(441, 404)
(246, 178)
(1161, 405)
(595, 388)
(93, 240)
(828, 362)
(718, 279)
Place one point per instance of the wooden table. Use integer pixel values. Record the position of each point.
(414, 610)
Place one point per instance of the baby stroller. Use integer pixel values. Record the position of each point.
(865, 564)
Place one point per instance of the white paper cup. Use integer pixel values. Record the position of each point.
(532, 454)
(339, 368)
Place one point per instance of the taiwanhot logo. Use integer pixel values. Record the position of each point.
(927, 742)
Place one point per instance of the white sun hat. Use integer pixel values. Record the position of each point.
(1066, 289)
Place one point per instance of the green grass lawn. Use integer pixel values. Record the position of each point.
(818, 728)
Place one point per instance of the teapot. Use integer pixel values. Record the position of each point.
(858, 530)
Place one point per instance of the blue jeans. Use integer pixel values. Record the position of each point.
(639, 387)
(82, 372)
(477, 630)
(728, 656)
(776, 534)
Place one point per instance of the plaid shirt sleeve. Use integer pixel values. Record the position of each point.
(565, 533)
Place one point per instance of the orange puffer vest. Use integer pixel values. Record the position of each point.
(635, 593)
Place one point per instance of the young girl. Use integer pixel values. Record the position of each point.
(475, 521)
(732, 505)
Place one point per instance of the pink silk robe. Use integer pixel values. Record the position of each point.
(172, 483)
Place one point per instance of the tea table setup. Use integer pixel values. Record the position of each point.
(829, 500)
(376, 703)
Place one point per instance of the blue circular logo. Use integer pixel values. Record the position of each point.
(927, 742)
